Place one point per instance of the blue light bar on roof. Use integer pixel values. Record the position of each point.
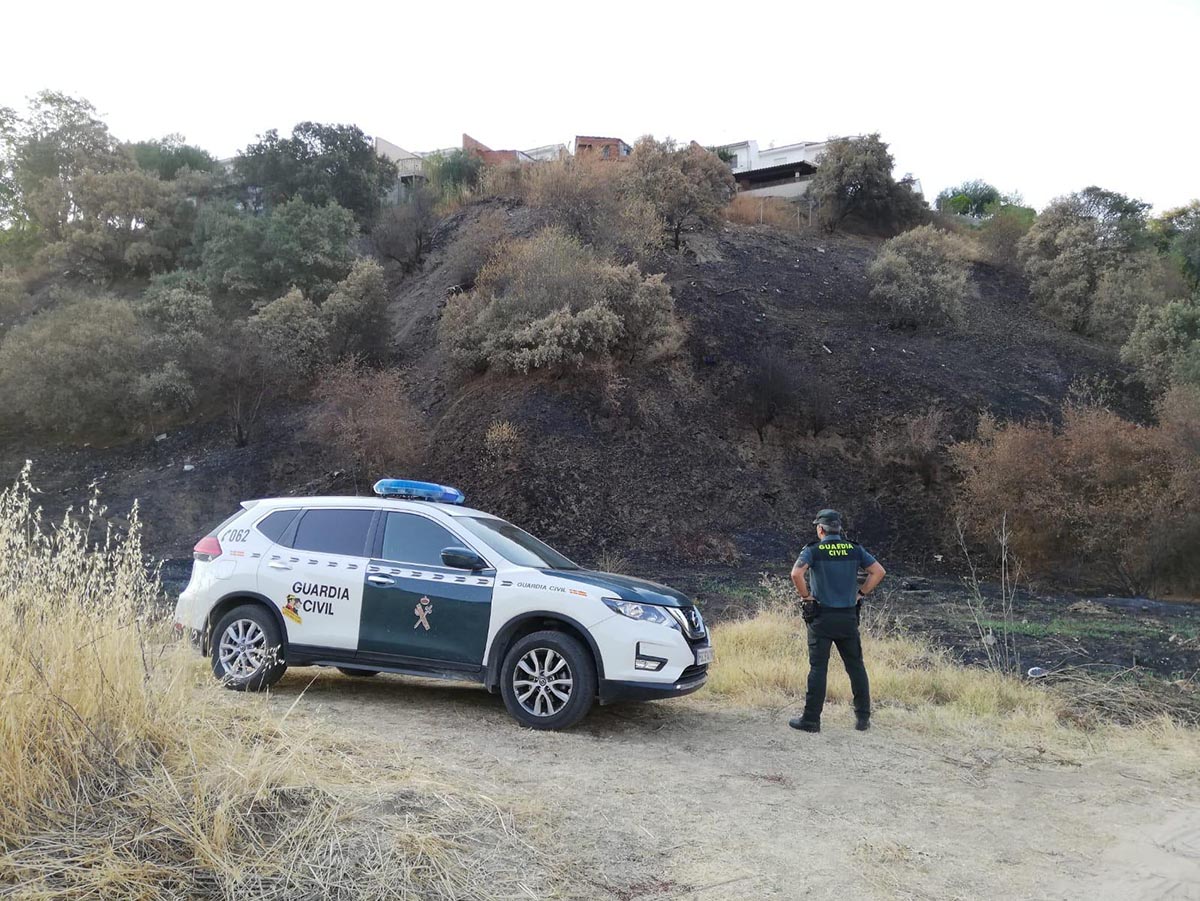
(418, 491)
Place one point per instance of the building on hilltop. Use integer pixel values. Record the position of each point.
(410, 169)
(492, 157)
(776, 171)
(601, 148)
(548, 153)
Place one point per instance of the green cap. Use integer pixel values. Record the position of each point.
(828, 518)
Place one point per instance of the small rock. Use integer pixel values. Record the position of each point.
(188, 467)
(162, 437)
(1036, 672)
(820, 250)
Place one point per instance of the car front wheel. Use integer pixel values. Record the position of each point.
(247, 649)
(548, 680)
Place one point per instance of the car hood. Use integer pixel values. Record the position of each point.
(626, 588)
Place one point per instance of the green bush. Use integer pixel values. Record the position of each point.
(355, 314)
(1145, 279)
(685, 187)
(549, 303)
(1072, 244)
(293, 339)
(1165, 344)
(920, 277)
(250, 258)
(74, 369)
(1000, 234)
(975, 198)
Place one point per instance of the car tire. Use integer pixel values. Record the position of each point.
(548, 680)
(247, 649)
(358, 673)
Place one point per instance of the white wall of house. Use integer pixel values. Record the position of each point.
(750, 156)
(792, 190)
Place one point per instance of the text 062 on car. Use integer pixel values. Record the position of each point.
(413, 582)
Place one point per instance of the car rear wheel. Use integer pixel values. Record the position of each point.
(247, 649)
(548, 680)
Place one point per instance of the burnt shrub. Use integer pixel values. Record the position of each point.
(913, 442)
(365, 420)
(1098, 499)
(921, 277)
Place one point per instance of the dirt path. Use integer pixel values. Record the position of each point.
(685, 800)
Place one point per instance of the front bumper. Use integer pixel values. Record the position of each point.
(692, 679)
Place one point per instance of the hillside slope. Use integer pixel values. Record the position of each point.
(669, 462)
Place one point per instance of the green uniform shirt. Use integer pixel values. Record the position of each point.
(834, 563)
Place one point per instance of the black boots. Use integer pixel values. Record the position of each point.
(862, 722)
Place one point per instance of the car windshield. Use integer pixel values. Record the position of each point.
(516, 545)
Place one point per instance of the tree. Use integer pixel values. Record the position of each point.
(454, 172)
(1165, 344)
(687, 187)
(1073, 242)
(318, 164)
(309, 246)
(355, 314)
(854, 180)
(1144, 279)
(128, 222)
(921, 277)
(402, 232)
(167, 156)
(248, 258)
(1177, 232)
(272, 354)
(1120, 220)
(44, 153)
(976, 199)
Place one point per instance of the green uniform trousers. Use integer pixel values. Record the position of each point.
(835, 626)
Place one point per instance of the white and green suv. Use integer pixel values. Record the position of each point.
(413, 582)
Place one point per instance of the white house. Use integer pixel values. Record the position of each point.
(775, 171)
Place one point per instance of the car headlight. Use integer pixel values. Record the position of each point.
(644, 613)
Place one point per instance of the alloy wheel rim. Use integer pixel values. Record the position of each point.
(243, 648)
(543, 682)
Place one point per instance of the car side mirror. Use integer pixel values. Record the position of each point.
(462, 558)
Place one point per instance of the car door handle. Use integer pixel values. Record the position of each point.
(275, 564)
(381, 580)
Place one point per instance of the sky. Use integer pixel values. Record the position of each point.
(1042, 98)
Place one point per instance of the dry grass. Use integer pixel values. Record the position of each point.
(122, 777)
(749, 210)
(762, 661)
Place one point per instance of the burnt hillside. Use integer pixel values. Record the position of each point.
(790, 392)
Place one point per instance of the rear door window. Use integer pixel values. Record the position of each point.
(334, 532)
(274, 525)
(409, 538)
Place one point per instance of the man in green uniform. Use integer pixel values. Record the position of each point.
(831, 611)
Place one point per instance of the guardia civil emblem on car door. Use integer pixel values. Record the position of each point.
(422, 610)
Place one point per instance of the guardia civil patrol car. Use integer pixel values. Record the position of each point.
(412, 581)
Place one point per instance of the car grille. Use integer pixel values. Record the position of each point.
(692, 672)
(695, 622)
